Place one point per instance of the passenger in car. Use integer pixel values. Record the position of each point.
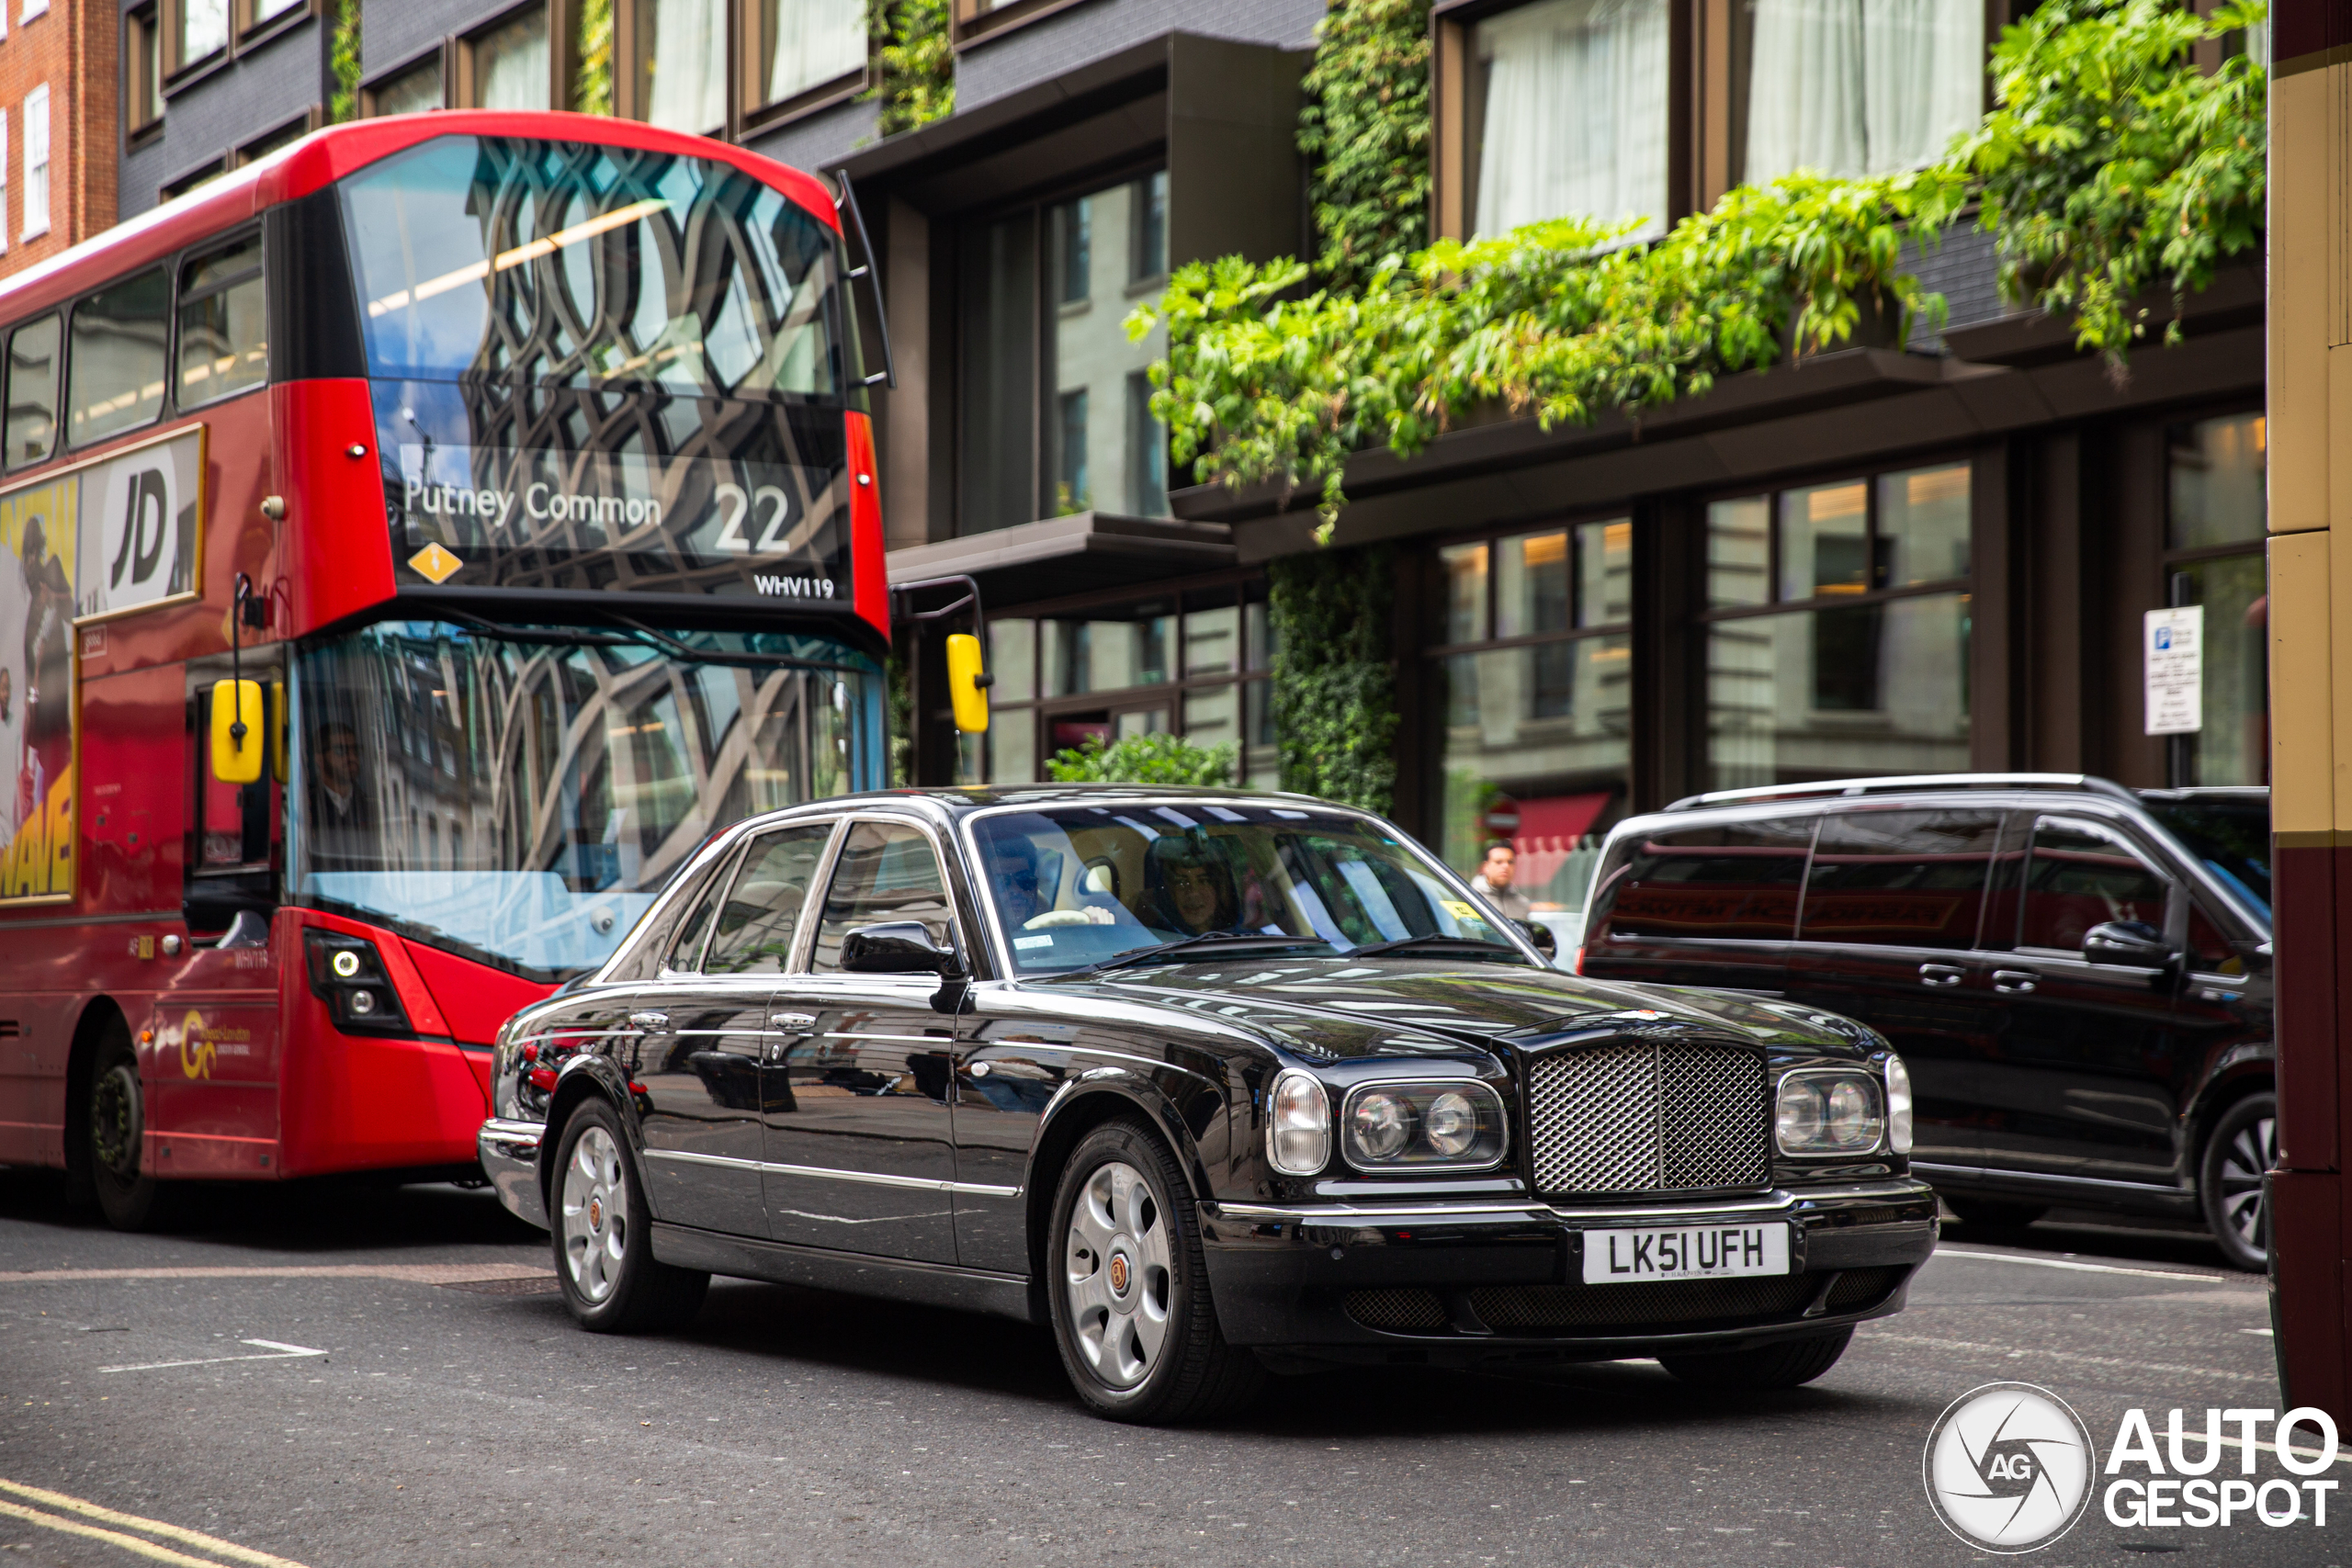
(1187, 887)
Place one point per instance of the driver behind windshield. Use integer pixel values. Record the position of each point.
(1027, 880)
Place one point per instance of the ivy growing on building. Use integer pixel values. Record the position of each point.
(1334, 687)
(592, 83)
(917, 42)
(1365, 131)
(343, 63)
(1145, 759)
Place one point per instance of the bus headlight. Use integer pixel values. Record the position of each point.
(348, 974)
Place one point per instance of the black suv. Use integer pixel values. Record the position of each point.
(2077, 973)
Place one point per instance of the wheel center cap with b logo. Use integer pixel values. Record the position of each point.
(596, 1213)
(1119, 1273)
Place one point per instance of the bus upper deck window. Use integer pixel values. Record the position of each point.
(116, 379)
(32, 392)
(223, 333)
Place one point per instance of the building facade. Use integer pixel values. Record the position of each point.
(57, 126)
(1896, 557)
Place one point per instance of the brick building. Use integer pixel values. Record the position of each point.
(58, 88)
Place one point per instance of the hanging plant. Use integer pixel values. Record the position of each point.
(592, 84)
(1365, 131)
(917, 40)
(1334, 687)
(343, 63)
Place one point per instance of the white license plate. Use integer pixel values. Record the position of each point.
(1685, 1252)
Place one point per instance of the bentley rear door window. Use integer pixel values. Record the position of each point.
(887, 871)
(1900, 879)
(762, 915)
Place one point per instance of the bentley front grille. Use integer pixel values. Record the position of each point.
(1643, 1116)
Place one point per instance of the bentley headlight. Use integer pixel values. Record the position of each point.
(1298, 1133)
(1838, 1111)
(1423, 1126)
(1899, 1105)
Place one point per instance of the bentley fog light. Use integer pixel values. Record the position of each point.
(1298, 1133)
(1898, 1106)
(1832, 1112)
(1423, 1126)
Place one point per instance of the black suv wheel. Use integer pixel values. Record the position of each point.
(2242, 1146)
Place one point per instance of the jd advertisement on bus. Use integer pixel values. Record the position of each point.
(104, 539)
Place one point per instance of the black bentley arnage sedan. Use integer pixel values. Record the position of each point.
(1215, 1083)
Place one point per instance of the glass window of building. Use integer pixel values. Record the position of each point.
(1100, 254)
(144, 62)
(267, 11)
(1568, 103)
(411, 92)
(682, 63)
(1534, 677)
(1838, 629)
(198, 29)
(1852, 88)
(798, 46)
(510, 63)
(1192, 663)
(2215, 529)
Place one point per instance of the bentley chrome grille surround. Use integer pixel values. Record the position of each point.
(1649, 1116)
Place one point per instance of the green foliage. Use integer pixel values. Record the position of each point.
(2112, 165)
(1366, 130)
(1145, 760)
(1560, 319)
(898, 715)
(343, 63)
(917, 53)
(1334, 689)
(592, 84)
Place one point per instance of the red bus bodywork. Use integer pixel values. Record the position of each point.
(243, 1073)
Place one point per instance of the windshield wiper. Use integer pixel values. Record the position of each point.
(1434, 938)
(1203, 939)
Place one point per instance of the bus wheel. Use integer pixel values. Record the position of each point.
(604, 1246)
(118, 1123)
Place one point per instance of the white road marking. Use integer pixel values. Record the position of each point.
(2009, 1352)
(277, 1352)
(2081, 1268)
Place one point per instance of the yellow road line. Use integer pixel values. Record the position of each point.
(213, 1544)
(112, 1538)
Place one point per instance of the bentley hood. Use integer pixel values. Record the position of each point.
(1334, 1009)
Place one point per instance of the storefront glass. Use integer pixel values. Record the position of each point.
(2214, 534)
(1860, 665)
(1533, 681)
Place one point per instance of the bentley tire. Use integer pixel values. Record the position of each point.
(1995, 1213)
(2242, 1146)
(603, 1242)
(1129, 1288)
(115, 1127)
(1786, 1365)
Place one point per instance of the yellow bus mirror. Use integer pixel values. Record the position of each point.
(967, 686)
(236, 751)
(278, 730)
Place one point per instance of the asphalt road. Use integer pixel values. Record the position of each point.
(348, 1378)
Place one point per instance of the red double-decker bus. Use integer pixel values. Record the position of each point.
(415, 544)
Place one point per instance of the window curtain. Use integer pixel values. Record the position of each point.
(1576, 116)
(815, 41)
(1858, 87)
(511, 64)
(686, 65)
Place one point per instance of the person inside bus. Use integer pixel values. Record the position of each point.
(343, 819)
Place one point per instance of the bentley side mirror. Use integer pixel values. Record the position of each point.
(895, 947)
(1546, 941)
(2135, 942)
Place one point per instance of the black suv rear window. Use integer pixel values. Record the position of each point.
(1736, 879)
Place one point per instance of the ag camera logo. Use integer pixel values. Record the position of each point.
(2009, 1467)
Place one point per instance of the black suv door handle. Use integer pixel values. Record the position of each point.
(793, 1022)
(650, 1022)
(1941, 973)
(2014, 982)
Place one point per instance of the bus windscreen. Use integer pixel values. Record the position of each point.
(523, 801)
(576, 264)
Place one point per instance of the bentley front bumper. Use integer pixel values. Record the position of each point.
(510, 1158)
(1482, 1281)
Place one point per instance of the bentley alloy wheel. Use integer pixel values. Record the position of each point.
(1115, 1271)
(595, 1214)
(603, 1237)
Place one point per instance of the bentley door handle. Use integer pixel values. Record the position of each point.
(2014, 982)
(650, 1022)
(793, 1022)
(1941, 973)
